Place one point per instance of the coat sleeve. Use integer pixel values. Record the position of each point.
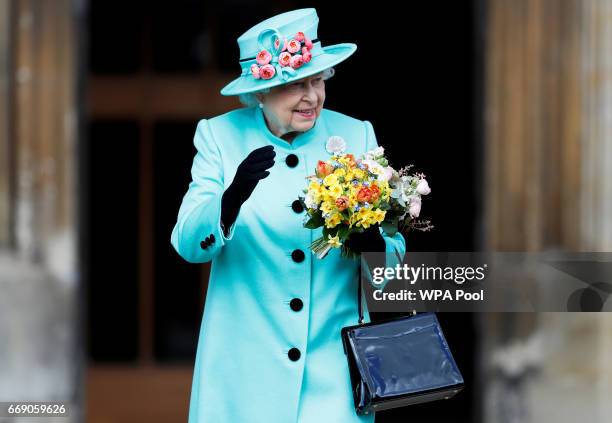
(395, 245)
(199, 216)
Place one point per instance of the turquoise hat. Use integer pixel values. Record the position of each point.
(282, 49)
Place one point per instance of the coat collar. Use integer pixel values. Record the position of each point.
(300, 140)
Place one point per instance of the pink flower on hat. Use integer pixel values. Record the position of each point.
(277, 43)
(255, 71)
(293, 46)
(296, 61)
(308, 43)
(267, 72)
(264, 57)
(284, 58)
(295, 53)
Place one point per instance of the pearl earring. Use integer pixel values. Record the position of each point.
(261, 105)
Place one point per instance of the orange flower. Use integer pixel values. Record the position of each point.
(375, 192)
(342, 202)
(364, 194)
(324, 169)
(352, 162)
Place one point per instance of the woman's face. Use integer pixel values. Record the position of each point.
(294, 106)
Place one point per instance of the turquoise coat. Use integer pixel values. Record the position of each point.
(269, 348)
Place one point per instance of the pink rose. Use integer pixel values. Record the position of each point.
(423, 187)
(293, 46)
(263, 57)
(277, 44)
(267, 71)
(296, 61)
(308, 43)
(415, 206)
(284, 59)
(300, 36)
(255, 71)
(306, 55)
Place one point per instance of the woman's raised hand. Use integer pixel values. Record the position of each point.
(253, 168)
(250, 171)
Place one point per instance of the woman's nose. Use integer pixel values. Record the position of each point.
(310, 92)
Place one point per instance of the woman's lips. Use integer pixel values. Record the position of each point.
(305, 113)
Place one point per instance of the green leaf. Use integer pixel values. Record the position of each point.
(315, 221)
(343, 231)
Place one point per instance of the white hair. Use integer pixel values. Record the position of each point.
(250, 99)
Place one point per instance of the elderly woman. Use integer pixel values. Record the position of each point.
(269, 347)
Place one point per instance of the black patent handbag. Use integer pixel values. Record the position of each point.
(399, 362)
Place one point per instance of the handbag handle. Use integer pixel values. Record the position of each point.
(359, 300)
(359, 306)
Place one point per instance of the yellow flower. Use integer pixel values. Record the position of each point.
(334, 241)
(336, 190)
(327, 206)
(333, 220)
(330, 180)
(363, 213)
(364, 223)
(358, 173)
(379, 215)
(340, 172)
(314, 185)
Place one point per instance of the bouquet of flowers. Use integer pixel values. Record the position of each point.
(348, 195)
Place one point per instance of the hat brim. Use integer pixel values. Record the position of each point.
(332, 55)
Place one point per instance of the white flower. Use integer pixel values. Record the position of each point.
(386, 174)
(415, 206)
(373, 166)
(310, 202)
(375, 154)
(423, 187)
(335, 145)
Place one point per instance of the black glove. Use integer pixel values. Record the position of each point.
(249, 172)
(369, 240)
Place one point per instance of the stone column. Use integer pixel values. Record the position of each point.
(548, 142)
